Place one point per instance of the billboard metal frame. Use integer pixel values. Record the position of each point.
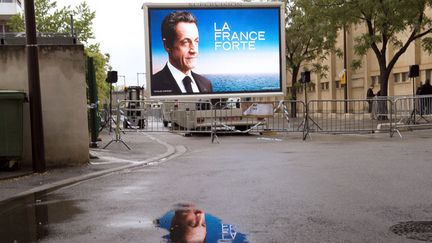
(216, 5)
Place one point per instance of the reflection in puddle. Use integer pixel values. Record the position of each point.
(26, 219)
(188, 224)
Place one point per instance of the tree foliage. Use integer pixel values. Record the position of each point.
(310, 37)
(389, 24)
(51, 19)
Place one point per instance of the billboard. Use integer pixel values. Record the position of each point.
(214, 49)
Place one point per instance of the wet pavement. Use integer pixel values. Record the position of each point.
(27, 218)
(348, 188)
(145, 149)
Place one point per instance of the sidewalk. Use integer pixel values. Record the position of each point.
(144, 149)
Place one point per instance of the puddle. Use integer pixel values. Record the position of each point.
(27, 219)
(186, 223)
(416, 230)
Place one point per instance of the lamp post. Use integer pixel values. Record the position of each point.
(345, 70)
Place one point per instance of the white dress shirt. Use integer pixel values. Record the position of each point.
(179, 76)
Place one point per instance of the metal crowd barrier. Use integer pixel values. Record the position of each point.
(381, 114)
(413, 112)
(258, 117)
(189, 117)
(349, 116)
(167, 116)
(146, 116)
(140, 115)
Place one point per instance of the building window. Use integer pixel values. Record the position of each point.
(429, 74)
(311, 87)
(337, 84)
(401, 77)
(397, 77)
(404, 76)
(325, 86)
(375, 80)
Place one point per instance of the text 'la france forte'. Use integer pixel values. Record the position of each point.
(228, 40)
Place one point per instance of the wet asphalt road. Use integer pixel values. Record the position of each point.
(330, 189)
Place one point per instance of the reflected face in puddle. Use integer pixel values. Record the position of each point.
(187, 224)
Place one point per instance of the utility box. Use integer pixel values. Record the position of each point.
(11, 125)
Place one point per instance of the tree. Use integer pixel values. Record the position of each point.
(389, 23)
(50, 19)
(310, 37)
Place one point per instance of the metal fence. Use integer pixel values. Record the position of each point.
(382, 114)
(140, 115)
(412, 113)
(219, 117)
(259, 117)
(349, 116)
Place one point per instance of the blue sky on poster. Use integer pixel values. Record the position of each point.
(119, 28)
(231, 41)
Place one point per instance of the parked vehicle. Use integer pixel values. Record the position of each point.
(134, 116)
(201, 115)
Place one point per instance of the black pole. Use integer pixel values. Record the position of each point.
(72, 26)
(36, 121)
(72, 30)
(110, 108)
(414, 99)
(306, 118)
(345, 71)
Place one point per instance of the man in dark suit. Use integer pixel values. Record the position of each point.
(180, 38)
(370, 95)
(425, 102)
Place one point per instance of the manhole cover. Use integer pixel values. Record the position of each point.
(416, 230)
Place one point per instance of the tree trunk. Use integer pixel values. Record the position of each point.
(384, 76)
(382, 104)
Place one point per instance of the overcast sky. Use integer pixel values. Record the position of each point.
(119, 28)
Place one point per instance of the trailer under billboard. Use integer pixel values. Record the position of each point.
(227, 50)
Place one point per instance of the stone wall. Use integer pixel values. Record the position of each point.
(64, 102)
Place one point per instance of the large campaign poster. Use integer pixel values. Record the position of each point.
(239, 50)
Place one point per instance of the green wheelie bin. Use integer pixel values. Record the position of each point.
(11, 127)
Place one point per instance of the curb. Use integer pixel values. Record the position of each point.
(171, 150)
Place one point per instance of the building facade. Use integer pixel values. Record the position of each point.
(329, 87)
(9, 8)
